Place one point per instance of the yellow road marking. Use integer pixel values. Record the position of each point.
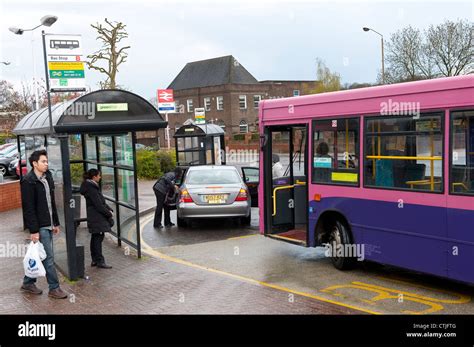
(153, 252)
(384, 294)
(463, 299)
(241, 237)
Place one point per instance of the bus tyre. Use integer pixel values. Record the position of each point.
(182, 223)
(339, 236)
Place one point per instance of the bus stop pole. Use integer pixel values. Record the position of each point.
(167, 131)
(47, 83)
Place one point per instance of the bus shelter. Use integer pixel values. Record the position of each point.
(96, 130)
(199, 144)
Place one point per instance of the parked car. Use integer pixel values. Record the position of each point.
(7, 150)
(14, 167)
(5, 146)
(5, 162)
(212, 191)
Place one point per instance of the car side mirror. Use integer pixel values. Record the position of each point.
(247, 179)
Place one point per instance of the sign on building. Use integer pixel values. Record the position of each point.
(200, 115)
(65, 63)
(166, 101)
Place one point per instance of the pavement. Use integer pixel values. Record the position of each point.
(153, 284)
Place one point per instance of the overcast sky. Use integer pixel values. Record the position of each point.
(272, 39)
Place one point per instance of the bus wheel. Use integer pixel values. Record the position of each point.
(339, 236)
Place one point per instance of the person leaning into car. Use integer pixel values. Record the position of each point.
(165, 184)
(40, 217)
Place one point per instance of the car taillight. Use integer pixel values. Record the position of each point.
(185, 197)
(243, 195)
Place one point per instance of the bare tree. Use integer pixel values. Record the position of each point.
(442, 50)
(451, 44)
(404, 53)
(110, 35)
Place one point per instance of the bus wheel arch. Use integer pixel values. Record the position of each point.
(333, 229)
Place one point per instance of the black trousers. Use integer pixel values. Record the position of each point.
(96, 248)
(160, 199)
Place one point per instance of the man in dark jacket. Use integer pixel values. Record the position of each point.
(165, 185)
(99, 216)
(40, 217)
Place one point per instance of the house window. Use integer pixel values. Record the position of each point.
(243, 126)
(189, 103)
(242, 102)
(207, 104)
(296, 92)
(220, 103)
(256, 100)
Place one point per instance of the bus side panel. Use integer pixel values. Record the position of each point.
(406, 237)
(461, 249)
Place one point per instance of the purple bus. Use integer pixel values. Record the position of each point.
(388, 170)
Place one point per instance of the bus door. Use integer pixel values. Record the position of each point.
(285, 175)
(461, 197)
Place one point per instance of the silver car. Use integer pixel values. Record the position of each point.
(210, 191)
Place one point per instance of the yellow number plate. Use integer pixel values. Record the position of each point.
(215, 199)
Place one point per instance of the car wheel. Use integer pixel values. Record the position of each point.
(182, 223)
(246, 220)
(339, 236)
(3, 170)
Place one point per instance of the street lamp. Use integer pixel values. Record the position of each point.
(47, 21)
(381, 38)
(5, 62)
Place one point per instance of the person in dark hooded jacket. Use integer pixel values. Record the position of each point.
(99, 215)
(163, 188)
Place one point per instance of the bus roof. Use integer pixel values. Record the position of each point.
(368, 99)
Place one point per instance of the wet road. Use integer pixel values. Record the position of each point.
(243, 253)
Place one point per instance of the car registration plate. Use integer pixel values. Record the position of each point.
(215, 199)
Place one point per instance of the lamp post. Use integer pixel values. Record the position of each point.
(381, 41)
(5, 62)
(45, 21)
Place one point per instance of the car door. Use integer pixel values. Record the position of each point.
(251, 179)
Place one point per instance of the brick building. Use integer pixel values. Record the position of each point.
(228, 92)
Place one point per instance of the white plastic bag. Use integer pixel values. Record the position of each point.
(42, 252)
(32, 263)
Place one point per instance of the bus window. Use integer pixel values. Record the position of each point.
(462, 153)
(280, 154)
(336, 151)
(404, 153)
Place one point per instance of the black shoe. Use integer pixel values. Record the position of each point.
(104, 266)
(93, 264)
(169, 225)
(158, 226)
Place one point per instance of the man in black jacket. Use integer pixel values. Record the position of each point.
(164, 185)
(41, 219)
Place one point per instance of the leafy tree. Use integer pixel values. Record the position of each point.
(328, 81)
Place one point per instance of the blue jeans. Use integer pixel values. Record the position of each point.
(46, 238)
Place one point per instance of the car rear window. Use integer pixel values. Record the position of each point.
(212, 176)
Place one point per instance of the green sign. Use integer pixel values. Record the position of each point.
(66, 73)
(112, 107)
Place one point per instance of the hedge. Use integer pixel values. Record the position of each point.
(153, 164)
